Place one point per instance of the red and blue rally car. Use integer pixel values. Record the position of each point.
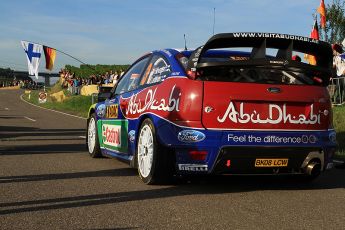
(240, 104)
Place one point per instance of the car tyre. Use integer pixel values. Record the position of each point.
(92, 138)
(153, 162)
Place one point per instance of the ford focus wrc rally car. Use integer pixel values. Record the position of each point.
(237, 105)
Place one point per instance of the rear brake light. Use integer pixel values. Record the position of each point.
(198, 155)
(228, 163)
(318, 80)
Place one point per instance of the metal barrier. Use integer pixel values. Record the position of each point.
(336, 90)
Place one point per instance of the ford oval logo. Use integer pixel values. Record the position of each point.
(274, 90)
(190, 136)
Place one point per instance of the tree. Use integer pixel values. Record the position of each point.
(85, 71)
(6, 72)
(335, 24)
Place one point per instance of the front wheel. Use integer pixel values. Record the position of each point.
(92, 138)
(153, 163)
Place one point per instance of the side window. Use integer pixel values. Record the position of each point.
(130, 80)
(157, 71)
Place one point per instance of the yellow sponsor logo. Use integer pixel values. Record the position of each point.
(271, 162)
(112, 111)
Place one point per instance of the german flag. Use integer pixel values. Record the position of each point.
(315, 32)
(315, 35)
(50, 54)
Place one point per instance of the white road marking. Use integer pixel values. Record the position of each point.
(82, 137)
(30, 119)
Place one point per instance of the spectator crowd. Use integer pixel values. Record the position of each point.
(24, 84)
(337, 84)
(9, 83)
(74, 83)
(70, 81)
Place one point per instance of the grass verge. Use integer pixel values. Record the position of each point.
(76, 105)
(339, 125)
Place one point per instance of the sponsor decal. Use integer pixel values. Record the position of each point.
(111, 135)
(159, 73)
(160, 70)
(175, 73)
(271, 139)
(112, 111)
(167, 52)
(239, 58)
(101, 110)
(131, 136)
(280, 62)
(208, 109)
(274, 35)
(135, 106)
(190, 136)
(271, 162)
(276, 115)
(312, 139)
(193, 167)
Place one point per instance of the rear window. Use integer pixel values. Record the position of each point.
(239, 68)
(257, 75)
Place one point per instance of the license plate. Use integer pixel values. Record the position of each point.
(271, 162)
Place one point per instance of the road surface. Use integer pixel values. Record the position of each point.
(48, 181)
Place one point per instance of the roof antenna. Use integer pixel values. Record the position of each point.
(214, 18)
(185, 42)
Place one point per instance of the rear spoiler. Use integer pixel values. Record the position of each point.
(259, 42)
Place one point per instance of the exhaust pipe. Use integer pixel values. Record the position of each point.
(313, 169)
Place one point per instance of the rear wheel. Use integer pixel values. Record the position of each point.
(153, 162)
(92, 138)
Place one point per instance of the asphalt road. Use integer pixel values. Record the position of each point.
(48, 181)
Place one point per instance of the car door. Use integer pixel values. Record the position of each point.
(114, 128)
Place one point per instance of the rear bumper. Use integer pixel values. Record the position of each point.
(243, 160)
(226, 156)
(243, 147)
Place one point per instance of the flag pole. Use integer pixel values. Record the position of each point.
(325, 32)
(73, 58)
(214, 18)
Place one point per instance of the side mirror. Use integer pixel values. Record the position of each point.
(104, 93)
(103, 96)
